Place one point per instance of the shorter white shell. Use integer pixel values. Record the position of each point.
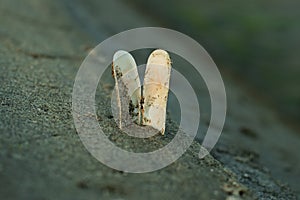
(128, 87)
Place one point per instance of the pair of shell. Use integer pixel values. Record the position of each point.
(145, 106)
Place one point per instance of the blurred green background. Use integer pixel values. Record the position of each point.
(256, 41)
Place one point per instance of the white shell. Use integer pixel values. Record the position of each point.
(156, 89)
(128, 87)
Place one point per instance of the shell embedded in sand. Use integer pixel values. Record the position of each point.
(149, 108)
(156, 89)
(124, 71)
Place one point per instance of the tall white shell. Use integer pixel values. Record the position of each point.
(156, 89)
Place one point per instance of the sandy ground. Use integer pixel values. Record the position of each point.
(41, 156)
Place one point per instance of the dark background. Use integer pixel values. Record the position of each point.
(256, 40)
